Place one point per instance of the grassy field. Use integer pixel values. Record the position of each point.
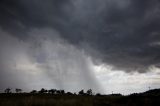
(27, 99)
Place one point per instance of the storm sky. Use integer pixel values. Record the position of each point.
(105, 45)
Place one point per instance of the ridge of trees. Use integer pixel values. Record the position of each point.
(89, 92)
(50, 91)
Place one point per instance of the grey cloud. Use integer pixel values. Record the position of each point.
(44, 62)
(118, 33)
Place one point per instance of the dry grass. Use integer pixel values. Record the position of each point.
(76, 100)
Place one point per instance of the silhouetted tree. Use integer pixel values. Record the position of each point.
(81, 92)
(33, 91)
(62, 92)
(89, 92)
(98, 94)
(69, 93)
(52, 91)
(7, 90)
(58, 92)
(18, 90)
(43, 90)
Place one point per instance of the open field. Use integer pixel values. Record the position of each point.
(149, 98)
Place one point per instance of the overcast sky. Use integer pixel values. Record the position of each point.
(105, 45)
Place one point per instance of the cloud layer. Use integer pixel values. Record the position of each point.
(60, 42)
(124, 34)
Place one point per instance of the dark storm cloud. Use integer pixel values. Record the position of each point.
(22, 15)
(121, 33)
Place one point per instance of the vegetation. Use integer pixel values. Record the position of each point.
(18, 90)
(55, 97)
(7, 90)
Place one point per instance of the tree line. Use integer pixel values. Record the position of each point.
(51, 91)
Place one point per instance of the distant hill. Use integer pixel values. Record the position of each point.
(153, 92)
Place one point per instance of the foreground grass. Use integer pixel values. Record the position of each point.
(27, 99)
